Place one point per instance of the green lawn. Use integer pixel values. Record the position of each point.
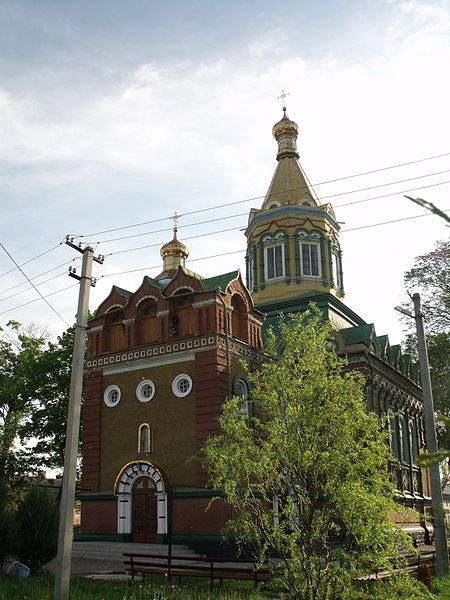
(41, 588)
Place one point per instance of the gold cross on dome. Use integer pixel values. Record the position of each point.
(175, 218)
(282, 97)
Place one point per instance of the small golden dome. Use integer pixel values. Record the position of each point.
(285, 126)
(174, 248)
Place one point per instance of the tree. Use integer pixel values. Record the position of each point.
(47, 422)
(19, 373)
(34, 393)
(37, 522)
(430, 276)
(315, 453)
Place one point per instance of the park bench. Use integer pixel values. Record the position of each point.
(425, 557)
(214, 569)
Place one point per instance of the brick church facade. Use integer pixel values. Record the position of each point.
(162, 360)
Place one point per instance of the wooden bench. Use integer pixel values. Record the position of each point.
(194, 566)
(426, 557)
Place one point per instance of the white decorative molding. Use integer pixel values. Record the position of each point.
(123, 489)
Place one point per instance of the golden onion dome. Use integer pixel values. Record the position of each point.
(285, 126)
(174, 248)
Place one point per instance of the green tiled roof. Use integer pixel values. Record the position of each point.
(219, 281)
(122, 292)
(358, 335)
(383, 341)
(152, 281)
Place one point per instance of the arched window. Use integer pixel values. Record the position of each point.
(393, 439)
(146, 324)
(241, 388)
(404, 439)
(114, 332)
(310, 258)
(145, 438)
(239, 318)
(413, 441)
(274, 258)
(182, 315)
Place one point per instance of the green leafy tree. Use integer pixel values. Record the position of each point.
(8, 529)
(46, 424)
(20, 351)
(37, 522)
(430, 276)
(313, 451)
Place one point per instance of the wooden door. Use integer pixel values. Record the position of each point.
(145, 517)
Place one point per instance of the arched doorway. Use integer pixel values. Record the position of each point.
(125, 489)
(144, 511)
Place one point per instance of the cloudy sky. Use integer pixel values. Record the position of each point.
(114, 113)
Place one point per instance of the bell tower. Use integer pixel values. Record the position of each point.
(293, 250)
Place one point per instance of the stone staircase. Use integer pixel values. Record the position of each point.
(106, 557)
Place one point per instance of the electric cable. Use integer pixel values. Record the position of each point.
(31, 259)
(135, 235)
(12, 287)
(263, 196)
(37, 300)
(35, 288)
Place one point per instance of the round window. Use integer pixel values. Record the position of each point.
(112, 395)
(145, 390)
(182, 385)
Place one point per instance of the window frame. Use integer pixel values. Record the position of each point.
(107, 396)
(317, 244)
(175, 383)
(276, 243)
(139, 390)
(150, 439)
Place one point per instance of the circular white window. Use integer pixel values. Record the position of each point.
(182, 385)
(145, 390)
(112, 395)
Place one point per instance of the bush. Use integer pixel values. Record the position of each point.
(8, 529)
(37, 520)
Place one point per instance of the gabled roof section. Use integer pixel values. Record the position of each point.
(122, 292)
(152, 282)
(117, 296)
(219, 281)
(363, 334)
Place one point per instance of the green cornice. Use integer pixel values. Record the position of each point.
(324, 301)
(289, 208)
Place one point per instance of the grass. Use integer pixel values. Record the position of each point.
(41, 588)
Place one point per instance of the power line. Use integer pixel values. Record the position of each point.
(32, 284)
(135, 235)
(12, 287)
(37, 299)
(30, 259)
(428, 214)
(30, 288)
(241, 227)
(244, 249)
(412, 162)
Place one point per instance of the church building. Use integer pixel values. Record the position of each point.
(162, 359)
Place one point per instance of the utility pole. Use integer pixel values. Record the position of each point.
(440, 534)
(65, 536)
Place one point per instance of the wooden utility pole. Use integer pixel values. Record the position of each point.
(440, 534)
(65, 536)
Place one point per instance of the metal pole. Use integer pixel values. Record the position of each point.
(65, 536)
(440, 534)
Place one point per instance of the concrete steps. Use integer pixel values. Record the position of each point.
(107, 557)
